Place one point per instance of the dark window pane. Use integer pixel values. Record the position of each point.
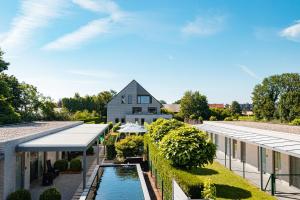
(129, 99)
(144, 99)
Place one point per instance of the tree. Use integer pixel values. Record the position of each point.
(130, 146)
(162, 101)
(236, 108)
(194, 104)
(3, 65)
(289, 106)
(187, 147)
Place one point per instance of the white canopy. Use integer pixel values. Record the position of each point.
(132, 128)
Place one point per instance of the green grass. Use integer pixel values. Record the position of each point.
(247, 118)
(228, 185)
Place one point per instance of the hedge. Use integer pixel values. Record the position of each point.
(75, 165)
(110, 146)
(191, 186)
(61, 165)
(20, 195)
(51, 194)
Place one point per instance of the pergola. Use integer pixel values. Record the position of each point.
(78, 138)
(286, 143)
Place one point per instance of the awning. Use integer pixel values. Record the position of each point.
(287, 143)
(78, 138)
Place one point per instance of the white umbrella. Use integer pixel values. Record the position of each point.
(132, 128)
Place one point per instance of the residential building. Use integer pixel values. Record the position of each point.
(216, 105)
(25, 148)
(134, 104)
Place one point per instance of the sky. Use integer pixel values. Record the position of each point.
(222, 48)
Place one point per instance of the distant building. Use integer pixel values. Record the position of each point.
(134, 104)
(215, 105)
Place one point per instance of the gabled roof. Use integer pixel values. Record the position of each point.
(139, 85)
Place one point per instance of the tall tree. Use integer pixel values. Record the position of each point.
(236, 108)
(194, 104)
(3, 64)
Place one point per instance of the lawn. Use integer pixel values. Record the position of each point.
(228, 184)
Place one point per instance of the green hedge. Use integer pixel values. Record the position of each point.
(61, 165)
(191, 186)
(110, 147)
(20, 195)
(75, 165)
(51, 194)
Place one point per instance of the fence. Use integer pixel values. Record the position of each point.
(271, 183)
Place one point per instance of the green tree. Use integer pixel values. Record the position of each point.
(3, 65)
(236, 108)
(194, 104)
(289, 106)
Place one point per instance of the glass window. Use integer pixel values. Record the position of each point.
(123, 99)
(129, 99)
(144, 99)
(152, 110)
(117, 120)
(123, 120)
(136, 110)
(277, 161)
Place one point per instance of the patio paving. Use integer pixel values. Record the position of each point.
(253, 175)
(69, 185)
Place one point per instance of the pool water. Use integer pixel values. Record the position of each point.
(120, 183)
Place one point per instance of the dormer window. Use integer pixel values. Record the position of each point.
(123, 99)
(144, 99)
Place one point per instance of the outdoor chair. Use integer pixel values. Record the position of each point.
(51, 170)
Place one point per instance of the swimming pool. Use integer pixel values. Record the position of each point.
(120, 183)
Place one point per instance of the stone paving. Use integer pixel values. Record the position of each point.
(69, 185)
(285, 192)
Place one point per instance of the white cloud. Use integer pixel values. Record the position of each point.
(103, 74)
(93, 28)
(248, 71)
(204, 26)
(81, 35)
(33, 14)
(292, 32)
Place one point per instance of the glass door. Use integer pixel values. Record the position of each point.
(295, 169)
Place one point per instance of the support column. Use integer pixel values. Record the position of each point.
(226, 151)
(84, 170)
(229, 153)
(261, 168)
(98, 151)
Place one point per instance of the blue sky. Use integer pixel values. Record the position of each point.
(222, 48)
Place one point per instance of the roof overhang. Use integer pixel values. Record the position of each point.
(286, 143)
(78, 138)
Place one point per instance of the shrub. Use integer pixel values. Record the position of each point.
(110, 125)
(130, 146)
(296, 122)
(209, 190)
(110, 146)
(187, 147)
(90, 150)
(116, 127)
(228, 119)
(61, 165)
(213, 118)
(75, 165)
(161, 127)
(20, 195)
(51, 194)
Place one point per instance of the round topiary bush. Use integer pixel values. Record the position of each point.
(75, 165)
(20, 195)
(61, 165)
(187, 147)
(50, 194)
(161, 127)
(130, 146)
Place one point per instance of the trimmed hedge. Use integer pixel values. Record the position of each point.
(51, 194)
(75, 165)
(61, 165)
(110, 147)
(20, 195)
(191, 186)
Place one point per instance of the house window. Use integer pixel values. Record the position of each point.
(123, 120)
(117, 120)
(144, 99)
(152, 110)
(122, 99)
(277, 161)
(136, 110)
(129, 99)
(136, 120)
(142, 121)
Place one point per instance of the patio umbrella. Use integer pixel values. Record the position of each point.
(132, 128)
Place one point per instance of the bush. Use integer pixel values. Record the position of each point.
(228, 119)
(296, 122)
(110, 146)
(90, 150)
(116, 127)
(75, 165)
(110, 125)
(130, 146)
(161, 127)
(20, 195)
(213, 118)
(61, 165)
(187, 147)
(51, 194)
(209, 190)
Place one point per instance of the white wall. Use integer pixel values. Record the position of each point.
(251, 155)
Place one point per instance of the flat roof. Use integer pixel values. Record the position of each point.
(288, 143)
(17, 131)
(78, 138)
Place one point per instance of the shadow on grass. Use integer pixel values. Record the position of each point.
(231, 192)
(203, 171)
